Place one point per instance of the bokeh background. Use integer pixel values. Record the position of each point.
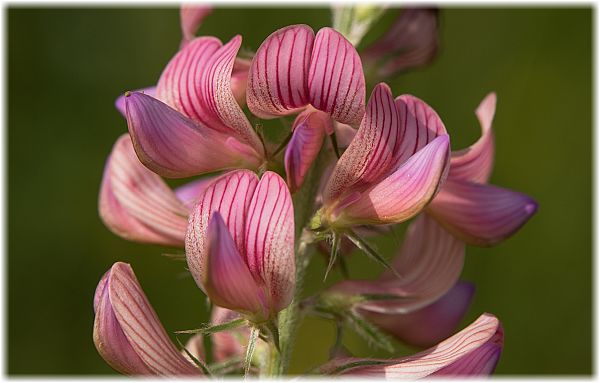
(66, 67)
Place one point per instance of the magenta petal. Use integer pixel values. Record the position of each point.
(229, 195)
(481, 214)
(228, 281)
(307, 139)
(481, 362)
(175, 146)
(120, 101)
(136, 204)
(270, 239)
(468, 348)
(127, 332)
(191, 17)
(411, 41)
(277, 83)
(371, 154)
(336, 82)
(432, 323)
(475, 163)
(430, 261)
(420, 125)
(405, 192)
(189, 193)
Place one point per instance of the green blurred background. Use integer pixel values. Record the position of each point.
(66, 67)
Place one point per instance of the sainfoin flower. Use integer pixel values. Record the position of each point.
(240, 243)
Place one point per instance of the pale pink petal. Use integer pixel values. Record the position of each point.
(228, 282)
(175, 146)
(136, 204)
(481, 214)
(230, 195)
(239, 80)
(411, 41)
(120, 101)
(277, 83)
(270, 239)
(195, 346)
(191, 16)
(431, 324)
(336, 83)
(227, 344)
(475, 163)
(344, 134)
(189, 193)
(216, 89)
(420, 125)
(429, 262)
(402, 194)
(308, 133)
(468, 348)
(141, 326)
(371, 154)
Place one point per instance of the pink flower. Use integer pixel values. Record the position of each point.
(191, 16)
(240, 243)
(393, 167)
(127, 331)
(478, 213)
(137, 204)
(474, 351)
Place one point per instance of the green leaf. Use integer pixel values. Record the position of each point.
(198, 363)
(208, 329)
(368, 331)
(370, 252)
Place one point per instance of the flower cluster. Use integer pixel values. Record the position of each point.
(354, 167)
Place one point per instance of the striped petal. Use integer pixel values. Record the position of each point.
(277, 83)
(191, 16)
(475, 163)
(190, 192)
(120, 101)
(462, 354)
(431, 324)
(371, 154)
(430, 261)
(402, 194)
(229, 195)
(481, 214)
(411, 41)
(228, 281)
(308, 133)
(128, 333)
(420, 125)
(270, 239)
(336, 82)
(175, 146)
(136, 204)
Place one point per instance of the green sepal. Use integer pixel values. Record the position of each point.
(208, 329)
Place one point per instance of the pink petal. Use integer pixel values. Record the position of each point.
(412, 41)
(430, 262)
(189, 193)
(173, 145)
(195, 346)
(420, 125)
(475, 163)
(134, 328)
(239, 80)
(371, 154)
(481, 214)
(136, 204)
(344, 134)
(480, 363)
(227, 344)
(277, 83)
(270, 239)
(120, 101)
(191, 16)
(464, 353)
(432, 323)
(229, 195)
(307, 139)
(228, 282)
(336, 82)
(404, 193)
